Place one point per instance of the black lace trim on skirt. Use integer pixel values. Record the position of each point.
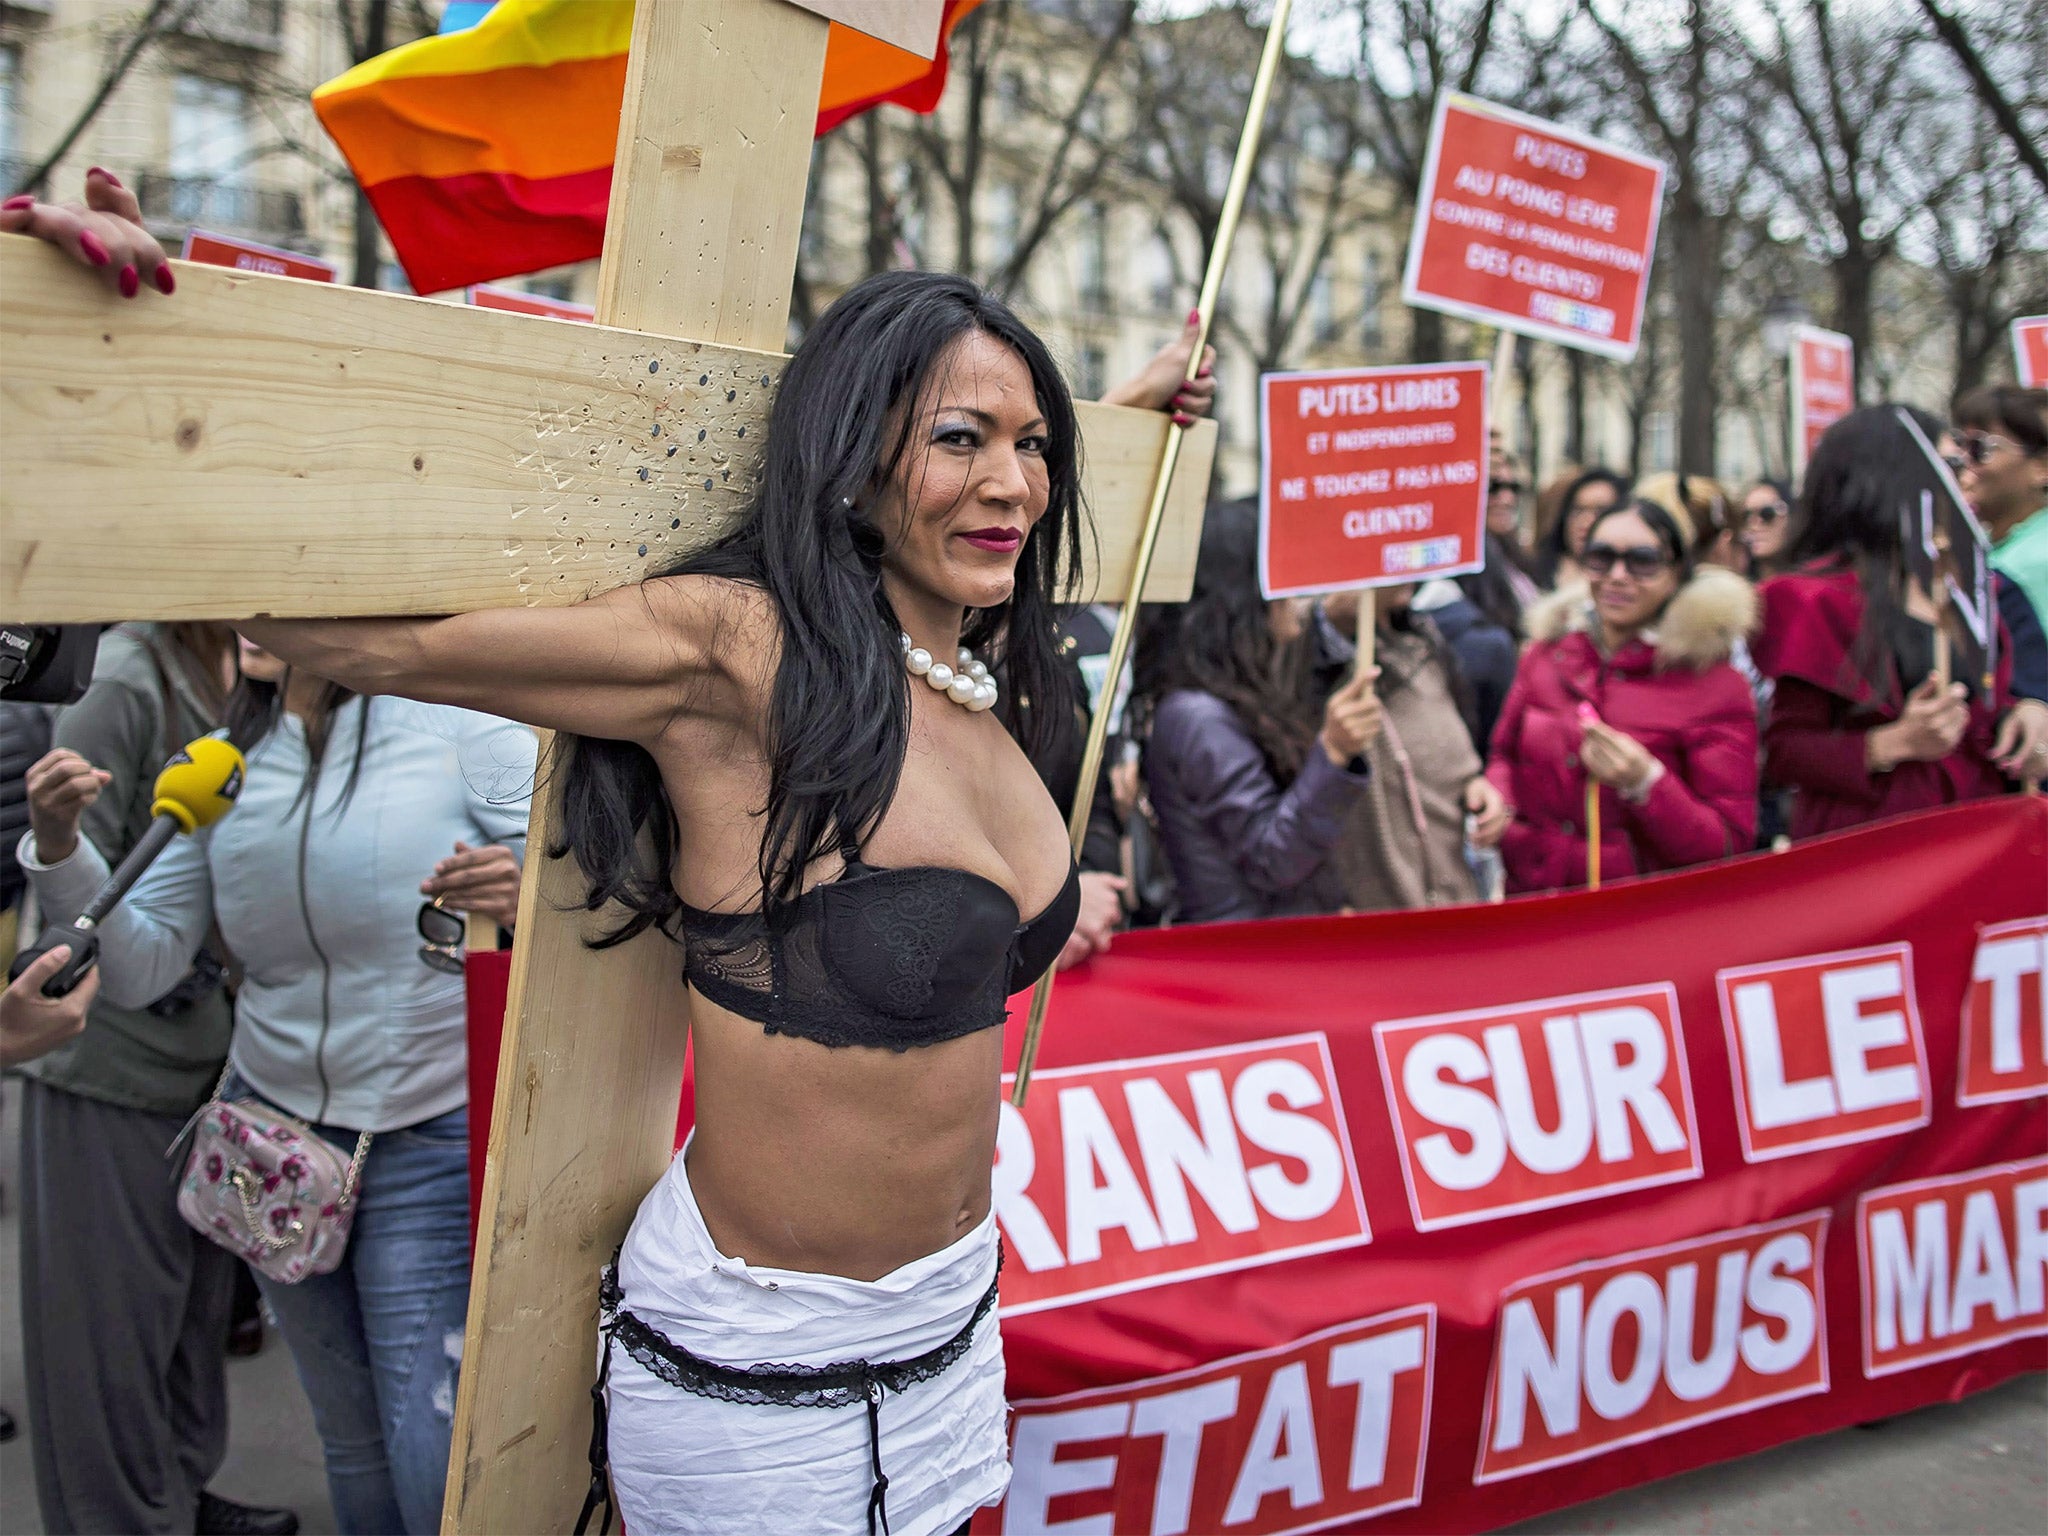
(839, 1385)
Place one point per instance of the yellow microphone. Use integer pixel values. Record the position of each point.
(197, 787)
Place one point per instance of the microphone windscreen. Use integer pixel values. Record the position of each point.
(197, 787)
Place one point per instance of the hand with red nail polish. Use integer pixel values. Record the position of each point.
(1163, 384)
(105, 232)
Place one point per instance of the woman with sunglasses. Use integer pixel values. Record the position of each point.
(1766, 523)
(1627, 686)
(1862, 726)
(353, 810)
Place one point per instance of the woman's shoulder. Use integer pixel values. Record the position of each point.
(1810, 622)
(1708, 617)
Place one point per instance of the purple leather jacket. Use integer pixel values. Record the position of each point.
(1241, 844)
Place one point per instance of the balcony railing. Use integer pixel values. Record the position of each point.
(245, 23)
(224, 205)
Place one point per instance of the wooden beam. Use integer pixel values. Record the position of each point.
(296, 447)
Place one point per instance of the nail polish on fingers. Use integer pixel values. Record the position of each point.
(1183, 419)
(101, 170)
(95, 253)
(1194, 316)
(130, 281)
(23, 201)
(166, 279)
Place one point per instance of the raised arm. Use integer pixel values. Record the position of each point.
(622, 665)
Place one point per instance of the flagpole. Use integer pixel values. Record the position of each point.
(1169, 457)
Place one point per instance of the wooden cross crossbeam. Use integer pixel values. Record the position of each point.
(296, 444)
(261, 445)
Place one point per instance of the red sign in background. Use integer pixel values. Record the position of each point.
(248, 256)
(519, 302)
(1823, 387)
(1371, 476)
(1532, 226)
(2030, 350)
(1223, 1311)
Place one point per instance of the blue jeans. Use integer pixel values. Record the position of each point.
(378, 1342)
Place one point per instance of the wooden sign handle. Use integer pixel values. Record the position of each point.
(1592, 833)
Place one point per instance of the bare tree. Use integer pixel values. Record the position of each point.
(1675, 87)
(1844, 88)
(2026, 142)
(162, 17)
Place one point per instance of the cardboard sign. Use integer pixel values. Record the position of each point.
(1371, 476)
(1527, 225)
(248, 256)
(1823, 388)
(1948, 553)
(2030, 350)
(489, 296)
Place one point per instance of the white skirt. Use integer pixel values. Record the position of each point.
(685, 1463)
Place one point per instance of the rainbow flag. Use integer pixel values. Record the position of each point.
(487, 152)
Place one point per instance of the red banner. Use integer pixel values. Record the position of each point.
(1533, 226)
(1371, 476)
(1434, 1221)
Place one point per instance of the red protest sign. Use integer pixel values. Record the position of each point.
(248, 256)
(1533, 227)
(1823, 388)
(486, 296)
(2030, 350)
(1371, 476)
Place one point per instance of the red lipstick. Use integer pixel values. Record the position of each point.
(997, 541)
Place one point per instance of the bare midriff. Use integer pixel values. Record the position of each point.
(841, 1160)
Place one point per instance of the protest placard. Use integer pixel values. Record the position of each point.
(1525, 224)
(1948, 556)
(1823, 388)
(2030, 350)
(248, 256)
(1371, 476)
(519, 302)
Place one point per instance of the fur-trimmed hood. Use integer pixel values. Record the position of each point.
(1699, 627)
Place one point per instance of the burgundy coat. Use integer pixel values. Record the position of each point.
(1673, 691)
(1822, 709)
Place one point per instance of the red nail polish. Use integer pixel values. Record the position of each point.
(129, 282)
(95, 253)
(1194, 315)
(166, 280)
(101, 170)
(23, 201)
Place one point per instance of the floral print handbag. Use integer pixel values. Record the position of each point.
(268, 1187)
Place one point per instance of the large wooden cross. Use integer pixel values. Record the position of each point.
(259, 445)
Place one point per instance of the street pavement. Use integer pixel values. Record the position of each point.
(1978, 1466)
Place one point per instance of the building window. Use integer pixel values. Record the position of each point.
(12, 167)
(1372, 332)
(209, 129)
(1003, 200)
(1322, 304)
(1660, 445)
(1092, 374)
(1165, 273)
(1095, 258)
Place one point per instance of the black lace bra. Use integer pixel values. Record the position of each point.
(893, 958)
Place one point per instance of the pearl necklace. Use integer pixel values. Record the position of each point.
(967, 684)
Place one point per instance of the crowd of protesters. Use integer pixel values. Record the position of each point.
(1644, 677)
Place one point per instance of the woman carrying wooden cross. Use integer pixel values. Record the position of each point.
(783, 754)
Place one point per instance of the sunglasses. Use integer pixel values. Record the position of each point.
(1769, 513)
(1641, 561)
(443, 931)
(1979, 446)
(1513, 487)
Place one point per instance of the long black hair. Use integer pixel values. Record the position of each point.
(1866, 472)
(1552, 550)
(839, 717)
(1220, 642)
(254, 708)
